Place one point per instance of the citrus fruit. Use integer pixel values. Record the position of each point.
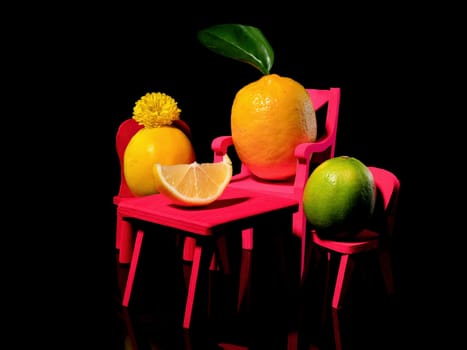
(269, 118)
(193, 184)
(339, 196)
(165, 145)
(163, 139)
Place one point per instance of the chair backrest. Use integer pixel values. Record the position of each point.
(380, 226)
(125, 132)
(388, 187)
(326, 103)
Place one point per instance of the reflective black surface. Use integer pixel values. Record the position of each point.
(273, 315)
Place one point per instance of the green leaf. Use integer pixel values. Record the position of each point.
(240, 42)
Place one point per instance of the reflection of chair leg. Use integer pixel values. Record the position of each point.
(187, 340)
(131, 337)
(336, 329)
(343, 279)
(133, 264)
(245, 265)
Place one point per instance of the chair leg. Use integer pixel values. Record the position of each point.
(247, 239)
(188, 248)
(244, 277)
(245, 265)
(125, 239)
(192, 287)
(117, 232)
(303, 252)
(343, 279)
(201, 262)
(132, 270)
(327, 278)
(299, 229)
(386, 268)
(220, 260)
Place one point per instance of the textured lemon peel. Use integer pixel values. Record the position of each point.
(156, 109)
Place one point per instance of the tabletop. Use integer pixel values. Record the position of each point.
(234, 207)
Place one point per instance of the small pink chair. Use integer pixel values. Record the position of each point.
(376, 237)
(326, 103)
(123, 234)
(124, 238)
(235, 210)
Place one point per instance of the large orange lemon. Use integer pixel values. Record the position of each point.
(269, 118)
(164, 145)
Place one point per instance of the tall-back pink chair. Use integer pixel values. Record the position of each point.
(326, 103)
(123, 234)
(235, 210)
(124, 238)
(376, 237)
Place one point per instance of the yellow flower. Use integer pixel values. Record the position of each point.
(156, 109)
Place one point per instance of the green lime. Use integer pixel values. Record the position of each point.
(339, 196)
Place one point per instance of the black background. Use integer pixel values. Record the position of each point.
(81, 72)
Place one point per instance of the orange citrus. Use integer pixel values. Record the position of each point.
(339, 196)
(193, 184)
(163, 139)
(269, 118)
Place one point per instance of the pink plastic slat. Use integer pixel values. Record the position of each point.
(235, 205)
(133, 265)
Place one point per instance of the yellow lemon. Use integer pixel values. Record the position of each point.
(339, 196)
(163, 139)
(165, 145)
(193, 184)
(269, 118)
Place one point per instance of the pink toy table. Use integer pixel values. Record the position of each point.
(235, 210)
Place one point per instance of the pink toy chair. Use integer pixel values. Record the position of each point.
(376, 237)
(200, 229)
(124, 238)
(235, 210)
(326, 103)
